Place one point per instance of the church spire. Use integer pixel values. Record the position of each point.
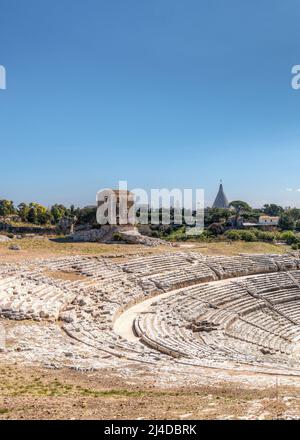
(221, 200)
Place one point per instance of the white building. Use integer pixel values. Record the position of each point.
(267, 220)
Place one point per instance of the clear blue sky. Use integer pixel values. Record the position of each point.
(162, 93)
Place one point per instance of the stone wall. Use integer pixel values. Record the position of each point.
(26, 229)
(89, 235)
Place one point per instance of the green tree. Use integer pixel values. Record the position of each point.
(216, 215)
(294, 213)
(57, 212)
(7, 208)
(23, 210)
(32, 215)
(286, 222)
(87, 215)
(272, 209)
(38, 214)
(239, 207)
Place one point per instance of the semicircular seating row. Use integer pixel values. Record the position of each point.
(252, 320)
(228, 321)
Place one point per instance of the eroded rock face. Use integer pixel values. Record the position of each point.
(4, 239)
(134, 237)
(126, 233)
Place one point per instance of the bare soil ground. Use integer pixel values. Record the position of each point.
(58, 394)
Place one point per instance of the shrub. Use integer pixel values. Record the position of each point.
(233, 234)
(295, 246)
(289, 237)
(177, 234)
(117, 236)
(247, 236)
(265, 236)
(204, 236)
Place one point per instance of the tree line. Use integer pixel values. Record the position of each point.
(289, 218)
(40, 215)
(35, 213)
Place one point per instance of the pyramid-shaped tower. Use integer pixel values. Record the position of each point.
(221, 200)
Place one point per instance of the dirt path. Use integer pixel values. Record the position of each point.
(123, 326)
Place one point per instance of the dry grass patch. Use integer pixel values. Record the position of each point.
(64, 394)
(45, 247)
(240, 247)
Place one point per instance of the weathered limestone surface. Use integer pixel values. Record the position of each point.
(4, 239)
(209, 311)
(126, 233)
